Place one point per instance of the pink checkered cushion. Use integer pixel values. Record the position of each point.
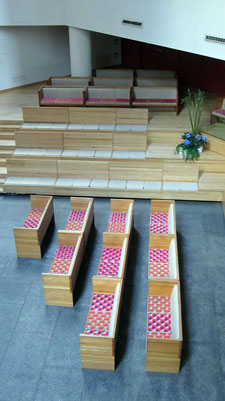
(220, 111)
(99, 315)
(139, 100)
(62, 100)
(33, 218)
(159, 317)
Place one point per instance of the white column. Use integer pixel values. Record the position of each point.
(80, 52)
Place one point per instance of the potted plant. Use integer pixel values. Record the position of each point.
(194, 142)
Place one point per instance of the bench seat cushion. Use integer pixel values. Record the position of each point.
(33, 218)
(99, 316)
(107, 100)
(151, 101)
(159, 317)
(219, 112)
(54, 100)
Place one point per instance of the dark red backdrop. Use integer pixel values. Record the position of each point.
(202, 72)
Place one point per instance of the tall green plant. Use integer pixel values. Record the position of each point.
(193, 102)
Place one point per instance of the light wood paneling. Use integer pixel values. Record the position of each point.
(31, 168)
(135, 141)
(87, 140)
(45, 115)
(83, 169)
(187, 172)
(39, 139)
(136, 170)
(132, 116)
(91, 115)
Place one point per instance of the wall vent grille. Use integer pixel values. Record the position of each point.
(215, 39)
(128, 22)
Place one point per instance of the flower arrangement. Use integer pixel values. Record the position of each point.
(194, 142)
(192, 146)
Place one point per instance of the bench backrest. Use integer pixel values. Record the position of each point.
(155, 74)
(46, 115)
(111, 93)
(74, 92)
(69, 81)
(156, 82)
(114, 73)
(99, 81)
(155, 92)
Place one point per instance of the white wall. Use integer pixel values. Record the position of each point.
(32, 54)
(106, 50)
(172, 23)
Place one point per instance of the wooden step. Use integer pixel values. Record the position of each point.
(9, 127)
(6, 144)
(212, 181)
(3, 172)
(7, 135)
(2, 162)
(6, 154)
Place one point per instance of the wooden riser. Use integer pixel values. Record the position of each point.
(3, 172)
(7, 135)
(162, 365)
(7, 144)
(213, 196)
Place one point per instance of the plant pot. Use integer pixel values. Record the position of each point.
(200, 149)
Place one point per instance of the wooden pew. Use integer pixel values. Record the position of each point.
(164, 344)
(155, 74)
(108, 96)
(81, 217)
(29, 238)
(98, 343)
(114, 73)
(59, 96)
(108, 81)
(69, 81)
(156, 82)
(165, 98)
(59, 283)
(163, 217)
(163, 257)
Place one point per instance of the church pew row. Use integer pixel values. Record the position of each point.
(59, 283)
(29, 237)
(164, 327)
(98, 342)
(165, 97)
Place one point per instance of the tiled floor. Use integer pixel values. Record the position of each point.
(39, 345)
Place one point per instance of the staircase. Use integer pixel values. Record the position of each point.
(7, 146)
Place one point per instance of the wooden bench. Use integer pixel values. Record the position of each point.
(59, 283)
(69, 81)
(163, 217)
(155, 74)
(121, 216)
(164, 327)
(163, 257)
(61, 96)
(29, 237)
(218, 113)
(114, 255)
(156, 82)
(114, 73)
(100, 81)
(108, 96)
(165, 98)
(98, 343)
(81, 217)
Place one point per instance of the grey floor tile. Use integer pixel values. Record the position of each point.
(13, 290)
(22, 366)
(9, 315)
(62, 384)
(36, 317)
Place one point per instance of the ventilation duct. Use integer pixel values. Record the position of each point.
(128, 22)
(214, 39)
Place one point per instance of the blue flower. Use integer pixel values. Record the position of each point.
(205, 138)
(198, 137)
(188, 135)
(187, 142)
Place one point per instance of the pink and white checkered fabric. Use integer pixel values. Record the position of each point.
(33, 218)
(159, 223)
(158, 263)
(109, 262)
(117, 222)
(159, 317)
